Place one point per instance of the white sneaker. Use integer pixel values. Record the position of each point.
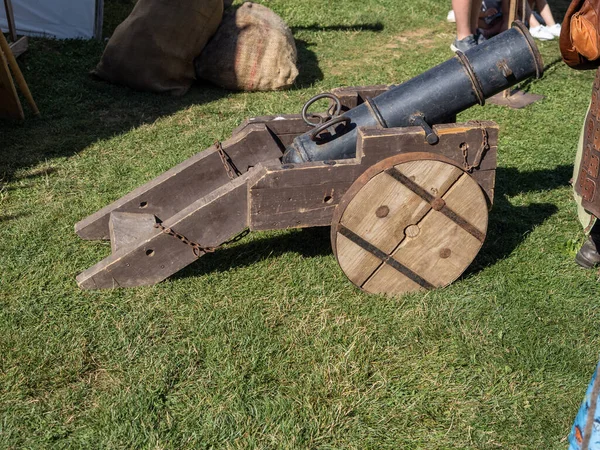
(554, 29)
(450, 17)
(542, 33)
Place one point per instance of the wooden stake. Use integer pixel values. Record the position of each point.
(10, 18)
(12, 62)
(10, 105)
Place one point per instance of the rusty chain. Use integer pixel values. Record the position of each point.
(197, 249)
(230, 168)
(232, 172)
(479, 156)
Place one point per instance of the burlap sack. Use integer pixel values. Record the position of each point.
(253, 50)
(154, 48)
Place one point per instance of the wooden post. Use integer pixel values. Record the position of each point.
(12, 62)
(10, 18)
(17, 46)
(99, 21)
(10, 105)
(512, 15)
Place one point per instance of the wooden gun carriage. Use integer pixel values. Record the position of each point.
(404, 214)
(407, 205)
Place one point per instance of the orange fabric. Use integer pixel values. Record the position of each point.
(584, 35)
(579, 36)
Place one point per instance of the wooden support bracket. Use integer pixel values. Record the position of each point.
(194, 178)
(208, 221)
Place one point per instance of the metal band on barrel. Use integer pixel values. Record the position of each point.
(474, 81)
(375, 111)
(537, 58)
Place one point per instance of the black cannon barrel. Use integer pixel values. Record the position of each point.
(443, 91)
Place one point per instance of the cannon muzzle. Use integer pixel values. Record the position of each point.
(465, 80)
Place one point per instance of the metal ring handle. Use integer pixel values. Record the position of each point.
(335, 98)
(314, 133)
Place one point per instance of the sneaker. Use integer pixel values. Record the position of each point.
(554, 29)
(542, 33)
(464, 44)
(479, 37)
(450, 17)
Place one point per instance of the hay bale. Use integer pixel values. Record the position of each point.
(253, 50)
(154, 48)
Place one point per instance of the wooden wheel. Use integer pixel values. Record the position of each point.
(413, 221)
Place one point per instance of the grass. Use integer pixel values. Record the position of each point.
(265, 344)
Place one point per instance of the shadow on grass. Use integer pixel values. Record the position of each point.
(308, 242)
(526, 85)
(508, 227)
(9, 217)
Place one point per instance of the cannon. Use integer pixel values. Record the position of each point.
(405, 189)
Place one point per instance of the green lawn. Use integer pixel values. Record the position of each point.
(265, 344)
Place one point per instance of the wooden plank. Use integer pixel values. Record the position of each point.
(373, 142)
(99, 19)
(272, 210)
(10, 18)
(295, 196)
(20, 46)
(10, 105)
(19, 78)
(284, 126)
(127, 229)
(185, 183)
(209, 221)
(353, 96)
(441, 251)
(402, 206)
(288, 196)
(387, 280)
(464, 199)
(487, 181)
(315, 172)
(358, 264)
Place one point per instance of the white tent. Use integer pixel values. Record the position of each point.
(61, 19)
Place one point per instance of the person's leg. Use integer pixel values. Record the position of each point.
(465, 33)
(533, 22)
(588, 255)
(462, 13)
(546, 14)
(536, 29)
(544, 10)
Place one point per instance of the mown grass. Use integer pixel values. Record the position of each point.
(265, 344)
